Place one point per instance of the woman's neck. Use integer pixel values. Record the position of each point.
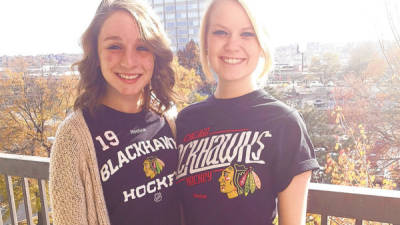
(232, 89)
(128, 105)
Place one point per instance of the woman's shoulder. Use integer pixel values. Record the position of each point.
(72, 132)
(271, 108)
(194, 108)
(73, 121)
(69, 140)
(273, 111)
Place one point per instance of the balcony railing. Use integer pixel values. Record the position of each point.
(361, 204)
(354, 202)
(25, 167)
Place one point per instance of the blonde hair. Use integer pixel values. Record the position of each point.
(256, 18)
(91, 87)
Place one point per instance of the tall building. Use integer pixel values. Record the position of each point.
(181, 19)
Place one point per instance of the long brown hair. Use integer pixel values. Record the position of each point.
(92, 86)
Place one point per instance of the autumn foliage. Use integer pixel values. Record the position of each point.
(31, 108)
(187, 84)
(189, 57)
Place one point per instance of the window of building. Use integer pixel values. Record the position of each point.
(182, 40)
(170, 25)
(170, 8)
(192, 6)
(158, 1)
(194, 32)
(170, 16)
(194, 22)
(193, 14)
(171, 31)
(158, 9)
(181, 24)
(180, 7)
(181, 15)
(181, 31)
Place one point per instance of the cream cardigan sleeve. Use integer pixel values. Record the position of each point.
(67, 191)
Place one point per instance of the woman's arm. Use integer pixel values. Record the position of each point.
(292, 202)
(65, 183)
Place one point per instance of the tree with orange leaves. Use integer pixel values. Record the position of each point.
(31, 108)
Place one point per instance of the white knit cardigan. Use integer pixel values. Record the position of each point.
(76, 192)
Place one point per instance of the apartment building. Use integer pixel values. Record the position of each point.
(181, 19)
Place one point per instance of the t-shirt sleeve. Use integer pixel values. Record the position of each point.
(294, 152)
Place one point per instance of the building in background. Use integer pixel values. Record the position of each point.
(181, 19)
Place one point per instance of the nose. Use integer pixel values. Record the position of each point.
(232, 43)
(129, 58)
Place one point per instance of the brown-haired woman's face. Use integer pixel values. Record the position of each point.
(126, 63)
(232, 46)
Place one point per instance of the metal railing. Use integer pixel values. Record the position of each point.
(25, 167)
(324, 199)
(358, 203)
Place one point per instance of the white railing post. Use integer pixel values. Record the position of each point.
(27, 200)
(44, 209)
(25, 167)
(11, 201)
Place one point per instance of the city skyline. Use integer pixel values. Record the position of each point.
(55, 26)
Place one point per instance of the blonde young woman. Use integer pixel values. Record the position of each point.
(243, 155)
(114, 158)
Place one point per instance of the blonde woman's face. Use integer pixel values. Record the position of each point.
(232, 46)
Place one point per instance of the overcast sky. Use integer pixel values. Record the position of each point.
(30, 27)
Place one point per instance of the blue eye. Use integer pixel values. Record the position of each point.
(220, 33)
(142, 48)
(248, 34)
(114, 47)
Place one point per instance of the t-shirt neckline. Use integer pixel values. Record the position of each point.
(244, 98)
(106, 110)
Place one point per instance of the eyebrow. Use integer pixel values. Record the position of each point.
(117, 38)
(219, 25)
(114, 38)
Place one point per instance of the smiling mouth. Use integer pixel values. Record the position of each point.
(232, 61)
(129, 76)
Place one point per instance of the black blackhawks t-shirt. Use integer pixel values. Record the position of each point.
(137, 158)
(236, 155)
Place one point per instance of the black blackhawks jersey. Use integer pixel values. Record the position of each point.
(137, 158)
(236, 155)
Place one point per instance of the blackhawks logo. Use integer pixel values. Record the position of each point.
(238, 180)
(152, 166)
